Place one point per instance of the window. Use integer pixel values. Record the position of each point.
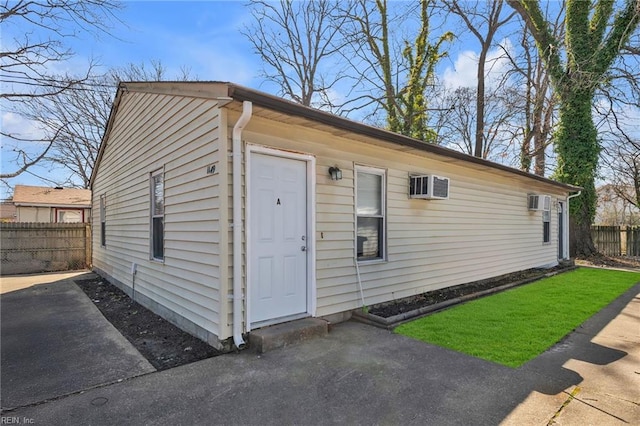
(103, 220)
(157, 215)
(69, 216)
(370, 212)
(546, 226)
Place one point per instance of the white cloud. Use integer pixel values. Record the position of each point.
(465, 67)
(463, 74)
(18, 126)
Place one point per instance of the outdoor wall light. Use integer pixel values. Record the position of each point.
(335, 173)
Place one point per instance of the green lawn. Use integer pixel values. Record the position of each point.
(517, 325)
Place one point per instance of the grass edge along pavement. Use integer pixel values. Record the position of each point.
(517, 325)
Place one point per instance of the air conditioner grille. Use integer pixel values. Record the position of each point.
(539, 202)
(440, 187)
(428, 187)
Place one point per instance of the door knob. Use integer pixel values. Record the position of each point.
(303, 248)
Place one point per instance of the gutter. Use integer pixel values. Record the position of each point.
(57, 206)
(573, 196)
(240, 93)
(247, 108)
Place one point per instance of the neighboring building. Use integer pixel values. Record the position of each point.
(51, 205)
(7, 211)
(228, 209)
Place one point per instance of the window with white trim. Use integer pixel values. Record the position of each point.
(157, 215)
(370, 213)
(103, 220)
(69, 216)
(546, 226)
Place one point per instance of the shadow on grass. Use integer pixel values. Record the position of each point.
(578, 345)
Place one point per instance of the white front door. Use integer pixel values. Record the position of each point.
(278, 238)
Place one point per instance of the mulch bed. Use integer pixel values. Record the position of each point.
(166, 346)
(163, 344)
(411, 303)
(600, 260)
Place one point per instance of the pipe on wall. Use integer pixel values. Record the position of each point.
(247, 109)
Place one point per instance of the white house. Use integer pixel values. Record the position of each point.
(51, 205)
(225, 209)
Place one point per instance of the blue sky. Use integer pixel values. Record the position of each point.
(202, 36)
(205, 37)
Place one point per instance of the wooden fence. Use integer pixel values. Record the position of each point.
(617, 240)
(633, 241)
(44, 247)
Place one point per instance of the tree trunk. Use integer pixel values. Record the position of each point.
(480, 93)
(578, 150)
(539, 143)
(580, 239)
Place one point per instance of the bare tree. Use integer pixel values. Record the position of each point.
(621, 153)
(539, 103)
(153, 71)
(38, 43)
(594, 40)
(394, 72)
(74, 121)
(501, 106)
(483, 19)
(539, 109)
(298, 42)
(618, 110)
(615, 210)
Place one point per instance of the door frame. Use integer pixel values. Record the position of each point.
(563, 204)
(310, 161)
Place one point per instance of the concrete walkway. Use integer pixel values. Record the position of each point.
(606, 355)
(363, 375)
(56, 342)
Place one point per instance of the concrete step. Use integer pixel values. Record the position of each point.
(281, 335)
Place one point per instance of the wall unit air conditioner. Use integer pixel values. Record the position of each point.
(429, 187)
(539, 202)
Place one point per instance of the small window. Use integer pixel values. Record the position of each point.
(370, 212)
(103, 220)
(546, 226)
(157, 215)
(69, 216)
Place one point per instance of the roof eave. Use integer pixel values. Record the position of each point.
(107, 130)
(240, 93)
(58, 206)
(264, 100)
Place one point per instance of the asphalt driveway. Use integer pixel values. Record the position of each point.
(364, 375)
(55, 341)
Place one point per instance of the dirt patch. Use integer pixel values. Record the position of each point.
(396, 307)
(600, 260)
(163, 344)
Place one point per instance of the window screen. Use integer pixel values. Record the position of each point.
(370, 213)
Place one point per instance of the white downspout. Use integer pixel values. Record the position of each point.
(238, 298)
(573, 196)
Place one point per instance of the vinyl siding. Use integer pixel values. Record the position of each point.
(179, 135)
(33, 214)
(484, 229)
